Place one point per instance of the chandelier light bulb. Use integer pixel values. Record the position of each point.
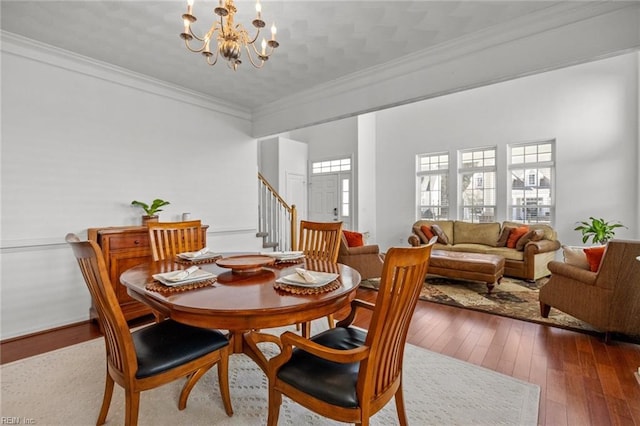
(264, 46)
(258, 7)
(274, 30)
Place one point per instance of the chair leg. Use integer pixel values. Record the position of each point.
(544, 310)
(402, 414)
(223, 381)
(275, 400)
(332, 323)
(132, 406)
(192, 379)
(106, 400)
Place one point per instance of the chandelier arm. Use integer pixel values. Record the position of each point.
(251, 59)
(221, 27)
(255, 38)
(195, 36)
(215, 60)
(186, 43)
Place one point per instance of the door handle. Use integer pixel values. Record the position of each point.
(335, 211)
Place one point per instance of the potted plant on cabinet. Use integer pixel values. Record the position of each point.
(151, 210)
(598, 230)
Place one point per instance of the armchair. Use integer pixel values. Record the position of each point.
(364, 259)
(608, 299)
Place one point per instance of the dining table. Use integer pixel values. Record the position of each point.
(246, 294)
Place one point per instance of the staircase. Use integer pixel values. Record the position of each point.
(277, 221)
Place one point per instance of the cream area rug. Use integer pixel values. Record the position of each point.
(65, 387)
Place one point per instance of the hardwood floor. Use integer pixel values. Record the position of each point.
(583, 381)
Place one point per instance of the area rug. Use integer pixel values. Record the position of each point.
(65, 387)
(511, 298)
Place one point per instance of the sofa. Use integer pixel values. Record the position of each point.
(526, 248)
(605, 294)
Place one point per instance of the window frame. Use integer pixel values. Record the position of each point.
(442, 210)
(484, 173)
(527, 169)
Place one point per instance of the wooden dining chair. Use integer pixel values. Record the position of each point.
(346, 373)
(320, 241)
(167, 239)
(152, 356)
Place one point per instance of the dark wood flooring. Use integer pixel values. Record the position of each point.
(583, 381)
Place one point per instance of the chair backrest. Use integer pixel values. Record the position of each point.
(167, 239)
(320, 240)
(620, 272)
(403, 276)
(119, 344)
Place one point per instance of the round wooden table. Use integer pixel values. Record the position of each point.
(241, 302)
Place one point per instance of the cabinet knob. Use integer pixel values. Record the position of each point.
(136, 242)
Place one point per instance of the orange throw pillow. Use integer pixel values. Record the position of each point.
(515, 235)
(354, 239)
(426, 230)
(594, 256)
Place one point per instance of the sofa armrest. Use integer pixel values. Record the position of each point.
(369, 249)
(414, 240)
(572, 272)
(542, 246)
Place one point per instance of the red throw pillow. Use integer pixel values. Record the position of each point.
(426, 230)
(594, 256)
(515, 235)
(354, 239)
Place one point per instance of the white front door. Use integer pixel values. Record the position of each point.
(330, 198)
(324, 196)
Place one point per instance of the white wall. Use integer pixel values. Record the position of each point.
(366, 176)
(591, 110)
(337, 139)
(80, 141)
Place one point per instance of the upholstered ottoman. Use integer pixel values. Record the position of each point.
(468, 266)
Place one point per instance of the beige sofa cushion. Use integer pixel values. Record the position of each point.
(507, 253)
(476, 233)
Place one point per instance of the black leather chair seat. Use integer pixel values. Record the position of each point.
(328, 381)
(168, 344)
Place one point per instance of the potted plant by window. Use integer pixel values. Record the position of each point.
(598, 230)
(151, 210)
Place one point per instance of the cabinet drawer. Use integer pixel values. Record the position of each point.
(129, 241)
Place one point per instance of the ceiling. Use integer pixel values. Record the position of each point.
(320, 41)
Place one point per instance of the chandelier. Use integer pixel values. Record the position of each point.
(230, 37)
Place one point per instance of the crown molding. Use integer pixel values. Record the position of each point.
(446, 54)
(27, 48)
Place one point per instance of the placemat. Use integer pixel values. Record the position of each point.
(161, 288)
(197, 262)
(333, 285)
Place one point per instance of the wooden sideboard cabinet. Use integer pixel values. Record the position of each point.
(124, 247)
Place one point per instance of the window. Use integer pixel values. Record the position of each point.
(331, 166)
(432, 179)
(532, 202)
(345, 201)
(477, 177)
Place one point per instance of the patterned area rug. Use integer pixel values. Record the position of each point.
(512, 298)
(65, 387)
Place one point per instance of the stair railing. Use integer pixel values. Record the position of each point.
(277, 221)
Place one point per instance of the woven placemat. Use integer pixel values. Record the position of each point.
(197, 262)
(161, 288)
(333, 285)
